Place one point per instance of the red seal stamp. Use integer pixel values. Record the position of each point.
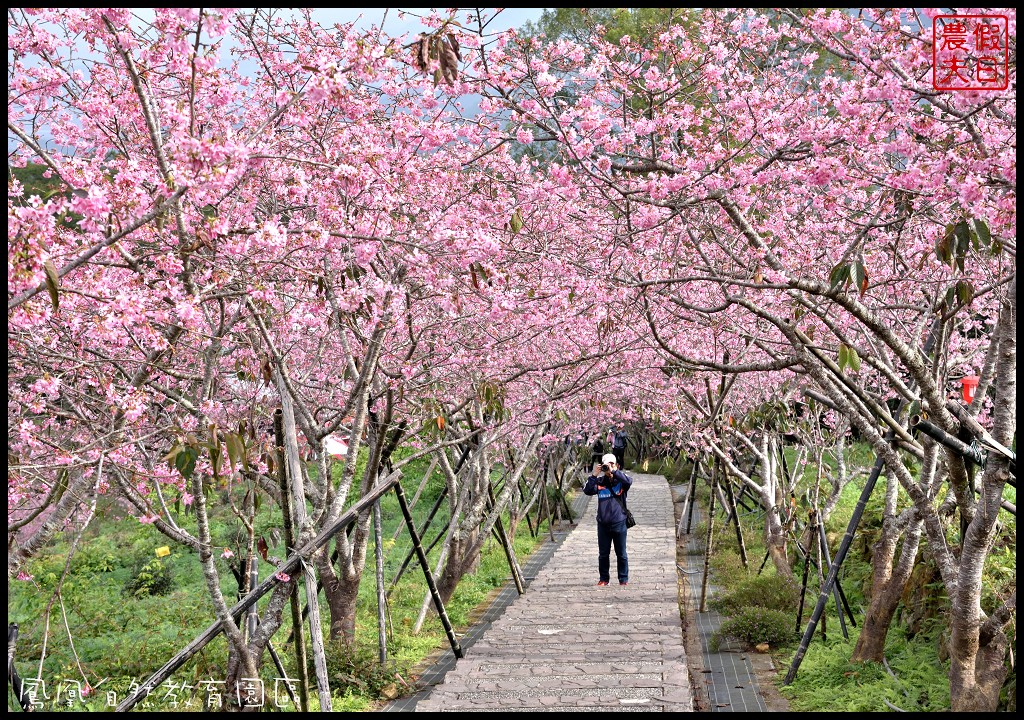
(970, 52)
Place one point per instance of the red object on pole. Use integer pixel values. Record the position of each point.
(970, 385)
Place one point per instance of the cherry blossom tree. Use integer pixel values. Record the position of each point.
(792, 191)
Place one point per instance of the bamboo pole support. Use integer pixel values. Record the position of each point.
(506, 544)
(692, 495)
(710, 537)
(419, 491)
(412, 551)
(823, 542)
(382, 599)
(13, 679)
(851, 529)
(688, 500)
(438, 605)
(807, 568)
(736, 522)
(289, 541)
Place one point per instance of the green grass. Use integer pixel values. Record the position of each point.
(123, 633)
(921, 683)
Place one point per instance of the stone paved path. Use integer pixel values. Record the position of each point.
(569, 645)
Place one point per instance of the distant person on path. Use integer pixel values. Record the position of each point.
(609, 484)
(619, 440)
(596, 450)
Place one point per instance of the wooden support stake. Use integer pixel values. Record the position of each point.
(382, 598)
(692, 496)
(284, 676)
(423, 531)
(506, 544)
(835, 588)
(710, 537)
(416, 496)
(289, 543)
(529, 523)
(252, 619)
(438, 605)
(13, 679)
(807, 568)
(544, 504)
(736, 521)
(316, 635)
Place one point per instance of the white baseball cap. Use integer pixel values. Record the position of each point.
(609, 459)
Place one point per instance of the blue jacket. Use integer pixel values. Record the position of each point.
(609, 509)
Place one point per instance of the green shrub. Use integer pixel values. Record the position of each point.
(761, 591)
(149, 578)
(356, 669)
(755, 625)
(92, 560)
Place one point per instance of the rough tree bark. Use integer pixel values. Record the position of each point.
(978, 644)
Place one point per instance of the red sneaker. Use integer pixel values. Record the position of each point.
(602, 582)
(625, 583)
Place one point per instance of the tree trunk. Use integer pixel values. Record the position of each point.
(776, 541)
(342, 593)
(464, 557)
(974, 686)
(978, 644)
(887, 585)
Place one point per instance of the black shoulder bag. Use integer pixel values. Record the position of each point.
(630, 522)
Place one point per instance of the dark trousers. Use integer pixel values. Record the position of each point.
(606, 536)
(620, 457)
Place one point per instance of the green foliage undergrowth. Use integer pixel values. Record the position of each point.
(761, 591)
(921, 682)
(755, 625)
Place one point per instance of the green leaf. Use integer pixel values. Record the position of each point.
(236, 449)
(950, 297)
(963, 242)
(854, 359)
(914, 409)
(185, 461)
(982, 231)
(965, 292)
(216, 460)
(844, 356)
(169, 458)
(840, 274)
(52, 283)
(860, 277)
(515, 223)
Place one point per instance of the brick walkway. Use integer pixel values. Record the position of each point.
(729, 677)
(570, 645)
